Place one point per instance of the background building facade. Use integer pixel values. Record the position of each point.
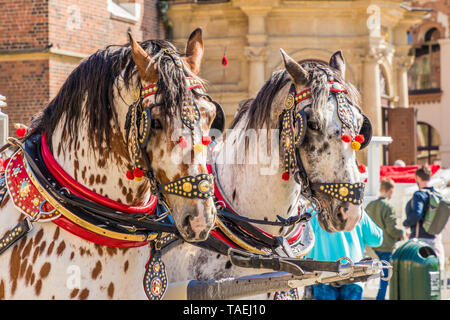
(371, 34)
(429, 82)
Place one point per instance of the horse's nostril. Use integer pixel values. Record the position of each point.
(203, 234)
(341, 213)
(186, 220)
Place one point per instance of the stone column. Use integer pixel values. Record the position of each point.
(402, 63)
(256, 51)
(371, 91)
(256, 57)
(374, 163)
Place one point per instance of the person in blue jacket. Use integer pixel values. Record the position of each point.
(332, 246)
(416, 208)
(418, 204)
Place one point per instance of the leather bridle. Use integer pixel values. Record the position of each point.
(293, 123)
(138, 128)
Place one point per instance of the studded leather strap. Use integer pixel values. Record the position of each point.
(347, 192)
(19, 231)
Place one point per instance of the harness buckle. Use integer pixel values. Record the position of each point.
(220, 204)
(129, 228)
(343, 273)
(386, 265)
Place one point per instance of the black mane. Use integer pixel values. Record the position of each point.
(259, 109)
(92, 84)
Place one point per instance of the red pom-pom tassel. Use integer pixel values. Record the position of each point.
(130, 175)
(346, 138)
(362, 168)
(5, 163)
(285, 176)
(21, 132)
(206, 140)
(183, 142)
(359, 138)
(224, 61)
(138, 174)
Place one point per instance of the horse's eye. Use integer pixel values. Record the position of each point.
(156, 124)
(313, 125)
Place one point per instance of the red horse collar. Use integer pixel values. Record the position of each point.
(32, 199)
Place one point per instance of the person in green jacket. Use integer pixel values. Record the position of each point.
(383, 214)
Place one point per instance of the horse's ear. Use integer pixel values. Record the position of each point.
(194, 50)
(299, 75)
(337, 62)
(147, 71)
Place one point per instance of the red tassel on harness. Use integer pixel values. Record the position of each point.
(5, 163)
(21, 132)
(285, 176)
(183, 142)
(359, 138)
(130, 175)
(206, 140)
(362, 168)
(138, 174)
(346, 138)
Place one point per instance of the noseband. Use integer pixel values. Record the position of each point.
(293, 123)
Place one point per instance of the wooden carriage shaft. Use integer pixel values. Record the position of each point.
(235, 288)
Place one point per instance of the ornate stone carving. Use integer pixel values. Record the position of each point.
(255, 53)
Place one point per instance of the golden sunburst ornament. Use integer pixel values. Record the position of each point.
(289, 102)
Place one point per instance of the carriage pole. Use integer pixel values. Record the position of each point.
(235, 288)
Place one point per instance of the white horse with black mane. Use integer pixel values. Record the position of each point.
(79, 196)
(309, 115)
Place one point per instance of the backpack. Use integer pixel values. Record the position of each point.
(436, 216)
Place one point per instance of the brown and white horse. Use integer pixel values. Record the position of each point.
(85, 129)
(256, 189)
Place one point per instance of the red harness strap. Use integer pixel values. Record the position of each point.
(65, 180)
(216, 232)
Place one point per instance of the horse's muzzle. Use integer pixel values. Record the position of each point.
(339, 216)
(197, 224)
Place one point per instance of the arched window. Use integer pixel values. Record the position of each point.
(428, 141)
(425, 74)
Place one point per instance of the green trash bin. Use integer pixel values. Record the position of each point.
(416, 274)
